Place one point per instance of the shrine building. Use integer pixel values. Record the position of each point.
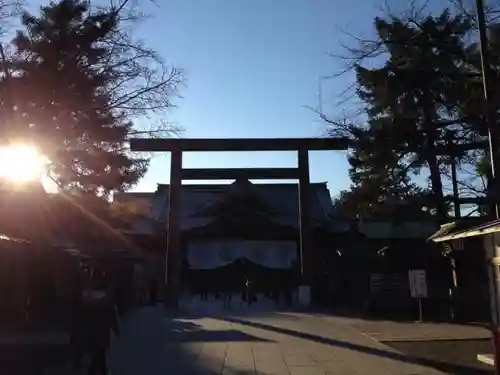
(250, 228)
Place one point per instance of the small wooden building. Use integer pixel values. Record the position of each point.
(371, 273)
(468, 259)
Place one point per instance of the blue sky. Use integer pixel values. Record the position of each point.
(253, 68)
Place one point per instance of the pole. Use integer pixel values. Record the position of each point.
(304, 215)
(421, 318)
(489, 108)
(493, 188)
(173, 256)
(305, 257)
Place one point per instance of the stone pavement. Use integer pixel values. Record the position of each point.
(267, 344)
(391, 331)
(25, 353)
(250, 341)
(34, 338)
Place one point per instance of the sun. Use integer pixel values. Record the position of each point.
(21, 164)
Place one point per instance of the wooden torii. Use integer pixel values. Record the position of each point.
(177, 146)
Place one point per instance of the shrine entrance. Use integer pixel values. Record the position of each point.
(230, 278)
(223, 266)
(177, 174)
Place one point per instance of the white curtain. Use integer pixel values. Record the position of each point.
(213, 254)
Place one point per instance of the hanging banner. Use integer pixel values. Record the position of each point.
(213, 254)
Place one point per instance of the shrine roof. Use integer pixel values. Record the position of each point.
(281, 199)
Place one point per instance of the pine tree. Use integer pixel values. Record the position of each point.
(411, 102)
(64, 90)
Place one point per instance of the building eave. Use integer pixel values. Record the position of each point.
(479, 230)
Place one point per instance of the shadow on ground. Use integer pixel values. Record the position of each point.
(156, 344)
(31, 359)
(183, 331)
(461, 353)
(409, 357)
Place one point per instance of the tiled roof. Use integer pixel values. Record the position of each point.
(281, 198)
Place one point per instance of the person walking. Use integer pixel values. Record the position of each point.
(227, 295)
(249, 291)
(77, 315)
(100, 319)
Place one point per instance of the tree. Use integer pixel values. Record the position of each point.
(409, 97)
(8, 10)
(76, 82)
(367, 202)
(85, 218)
(415, 103)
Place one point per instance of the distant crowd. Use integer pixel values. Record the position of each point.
(248, 292)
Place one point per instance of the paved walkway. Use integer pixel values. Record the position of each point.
(390, 331)
(247, 341)
(270, 344)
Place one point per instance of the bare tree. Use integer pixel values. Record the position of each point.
(9, 9)
(97, 74)
(145, 85)
(368, 52)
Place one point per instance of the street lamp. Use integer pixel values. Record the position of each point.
(494, 271)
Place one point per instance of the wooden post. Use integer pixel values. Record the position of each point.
(304, 215)
(173, 256)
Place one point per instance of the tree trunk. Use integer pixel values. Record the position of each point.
(437, 185)
(454, 183)
(431, 159)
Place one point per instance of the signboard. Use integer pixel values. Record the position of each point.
(395, 283)
(304, 295)
(458, 244)
(376, 283)
(418, 283)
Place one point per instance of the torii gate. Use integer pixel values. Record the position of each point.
(177, 146)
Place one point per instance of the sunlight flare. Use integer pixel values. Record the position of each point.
(21, 163)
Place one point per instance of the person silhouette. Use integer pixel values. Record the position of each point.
(98, 319)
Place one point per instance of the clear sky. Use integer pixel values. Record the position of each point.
(253, 69)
